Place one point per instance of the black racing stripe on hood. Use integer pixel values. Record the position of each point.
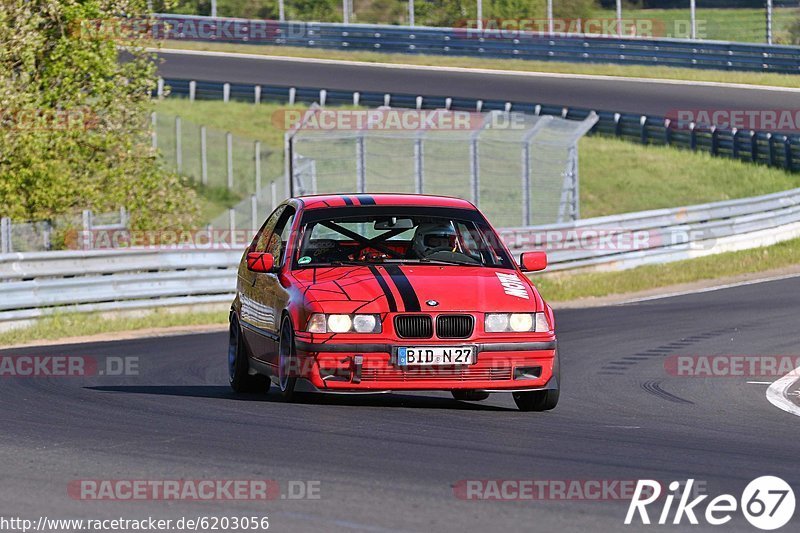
(404, 287)
(385, 287)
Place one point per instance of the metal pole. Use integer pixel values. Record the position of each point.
(213, 8)
(5, 232)
(178, 146)
(281, 11)
(229, 139)
(550, 16)
(273, 191)
(473, 170)
(769, 21)
(346, 11)
(203, 156)
(526, 184)
(619, 18)
(693, 15)
(480, 14)
(258, 167)
(232, 221)
(419, 157)
(361, 164)
(411, 13)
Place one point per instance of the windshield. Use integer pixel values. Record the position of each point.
(363, 235)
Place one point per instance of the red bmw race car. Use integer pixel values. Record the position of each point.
(389, 292)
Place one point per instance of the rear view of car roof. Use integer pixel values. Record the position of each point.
(341, 200)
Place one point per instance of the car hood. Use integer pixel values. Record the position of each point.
(412, 288)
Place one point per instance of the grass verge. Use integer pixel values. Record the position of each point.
(597, 69)
(563, 287)
(65, 325)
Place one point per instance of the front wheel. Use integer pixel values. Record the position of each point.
(287, 365)
(238, 367)
(540, 400)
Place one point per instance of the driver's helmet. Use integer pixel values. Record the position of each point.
(431, 238)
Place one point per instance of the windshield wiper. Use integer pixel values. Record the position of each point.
(445, 262)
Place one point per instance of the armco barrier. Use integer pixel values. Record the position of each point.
(490, 44)
(40, 283)
(770, 148)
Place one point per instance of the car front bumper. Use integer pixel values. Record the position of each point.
(369, 367)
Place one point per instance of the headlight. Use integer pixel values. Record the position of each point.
(321, 323)
(515, 322)
(339, 323)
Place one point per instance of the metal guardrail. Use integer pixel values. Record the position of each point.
(717, 55)
(770, 148)
(41, 283)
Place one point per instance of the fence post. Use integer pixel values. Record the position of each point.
(257, 94)
(735, 143)
(192, 90)
(526, 184)
(153, 125)
(5, 235)
(229, 145)
(753, 146)
(292, 95)
(419, 157)
(48, 229)
(714, 140)
(667, 131)
(123, 217)
(474, 163)
(788, 164)
(771, 152)
(361, 165)
(86, 219)
(693, 136)
(254, 213)
(232, 220)
(273, 192)
(160, 88)
(203, 156)
(769, 22)
(257, 148)
(178, 146)
(617, 125)
(643, 126)
(226, 92)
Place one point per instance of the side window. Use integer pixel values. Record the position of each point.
(279, 239)
(261, 239)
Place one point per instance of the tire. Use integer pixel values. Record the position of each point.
(541, 400)
(238, 367)
(469, 395)
(286, 351)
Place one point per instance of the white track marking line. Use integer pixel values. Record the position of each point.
(521, 73)
(760, 382)
(709, 289)
(777, 393)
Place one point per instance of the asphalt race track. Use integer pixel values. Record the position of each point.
(389, 462)
(621, 95)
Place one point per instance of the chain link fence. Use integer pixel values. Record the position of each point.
(63, 232)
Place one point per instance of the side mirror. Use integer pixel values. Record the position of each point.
(260, 262)
(533, 261)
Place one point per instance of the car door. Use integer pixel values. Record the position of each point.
(257, 315)
(266, 297)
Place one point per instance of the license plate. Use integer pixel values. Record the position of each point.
(436, 355)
